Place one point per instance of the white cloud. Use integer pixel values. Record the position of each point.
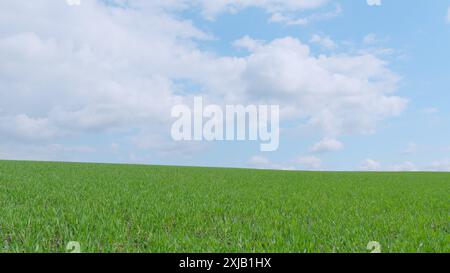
(370, 165)
(61, 78)
(66, 79)
(374, 2)
(309, 162)
(323, 41)
(24, 128)
(327, 145)
(340, 94)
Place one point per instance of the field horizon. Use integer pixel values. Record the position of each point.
(146, 208)
(217, 167)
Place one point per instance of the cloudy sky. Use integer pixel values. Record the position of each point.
(362, 85)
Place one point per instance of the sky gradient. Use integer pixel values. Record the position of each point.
(361, 85)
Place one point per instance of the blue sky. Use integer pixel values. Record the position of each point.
(361, 87)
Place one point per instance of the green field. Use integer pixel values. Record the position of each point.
(130, 208)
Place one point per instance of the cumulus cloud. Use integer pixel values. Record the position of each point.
(65, 78)
(370, 165)
(60, 77)
(340, 94)
(24, 128)
(72, 71)
(327, 145)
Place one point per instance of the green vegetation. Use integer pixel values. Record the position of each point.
(128, 208)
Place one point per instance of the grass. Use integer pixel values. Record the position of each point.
(128, 208)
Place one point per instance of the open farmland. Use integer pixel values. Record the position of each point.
(134, 208)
